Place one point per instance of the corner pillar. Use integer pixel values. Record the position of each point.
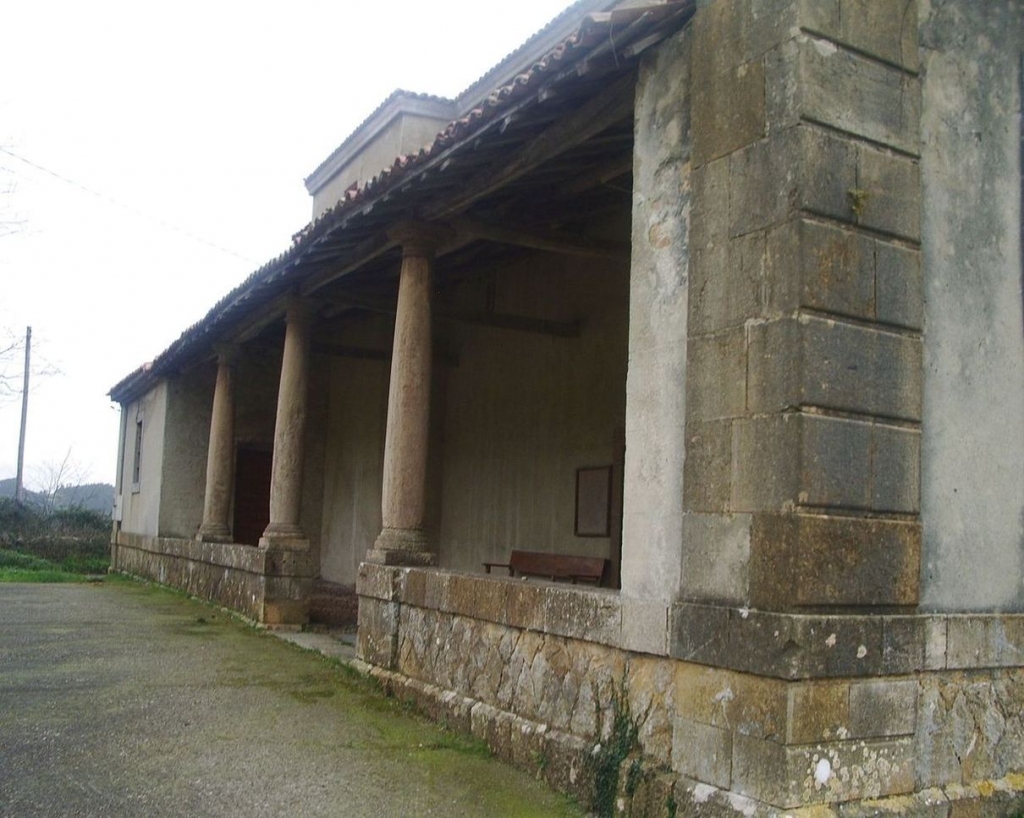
(284, 531)
(804, 333)
(402, 540)
(220, 454)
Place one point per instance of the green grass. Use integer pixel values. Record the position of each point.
(21, 575)
(16, 566)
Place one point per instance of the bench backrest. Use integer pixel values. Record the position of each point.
(558, 566)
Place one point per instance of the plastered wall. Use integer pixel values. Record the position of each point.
(353, 465)
(405, 134)
(973, 446)
(353, 447)
(187, 435)
(140, 508)
(513, 415)
(523, 411)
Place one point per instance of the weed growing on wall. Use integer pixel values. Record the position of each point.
(608, 757)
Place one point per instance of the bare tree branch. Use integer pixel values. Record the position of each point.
(10, 222)
(54, 479)
(12, 365)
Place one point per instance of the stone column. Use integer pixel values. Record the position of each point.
(220, 454)
(289, 436)
(402, 540)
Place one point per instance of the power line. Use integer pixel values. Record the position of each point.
(126, 207)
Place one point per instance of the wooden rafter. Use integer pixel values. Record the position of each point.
(537, 240)
(586, 122)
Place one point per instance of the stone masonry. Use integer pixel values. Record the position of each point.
(538, 669)
(805, 314)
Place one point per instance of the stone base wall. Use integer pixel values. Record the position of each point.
(543, 674)
(267, 586)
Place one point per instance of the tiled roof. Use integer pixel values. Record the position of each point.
(269, 281)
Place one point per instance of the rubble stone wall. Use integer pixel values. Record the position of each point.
(265, 586)
(541, 671)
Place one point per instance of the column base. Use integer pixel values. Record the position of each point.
(284, 537)
(213, 532)
(401, 546)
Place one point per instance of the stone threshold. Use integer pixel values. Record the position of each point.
(780, 645)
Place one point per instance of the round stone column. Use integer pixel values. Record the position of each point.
(402, 540)
(284, 530)
(220, 453)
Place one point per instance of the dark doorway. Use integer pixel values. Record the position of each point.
(252, 494)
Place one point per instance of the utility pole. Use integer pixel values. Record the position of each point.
(19, 490)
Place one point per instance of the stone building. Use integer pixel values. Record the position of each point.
(726, 293)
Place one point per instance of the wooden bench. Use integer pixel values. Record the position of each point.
(552, 566)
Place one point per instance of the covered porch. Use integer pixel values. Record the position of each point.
(434, 375)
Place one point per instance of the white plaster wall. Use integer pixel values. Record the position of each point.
(973, 433)
(186, 436)
(523, 411)
(405, 134)
(311, 509)
(353, 465)
(652, 537)
(140, 509)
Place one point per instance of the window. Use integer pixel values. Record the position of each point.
(137, 465)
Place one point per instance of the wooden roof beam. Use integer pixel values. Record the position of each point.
(551, 242)
(566, 133)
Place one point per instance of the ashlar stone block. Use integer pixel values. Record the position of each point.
(707, 470)
(814, 361)
(885, 29)
(378, 632)
(818, 711)
(846, 91)
(817, 461)
(717, 376)
(702, 752)
(644, 626)
(716, 553)
(899, 285)
(728, 110)
(739, 702)
(984, 640)
(895, 469)
(888, 193)
(709, 222)
(803, 168)
(727, 284)
(800, 560)
(885, 707)
(820, 266)
(827, 772)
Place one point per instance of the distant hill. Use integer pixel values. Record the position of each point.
(93, 496)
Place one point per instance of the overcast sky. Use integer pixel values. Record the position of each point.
(152, 156)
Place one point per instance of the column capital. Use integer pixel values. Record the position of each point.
(227, 353)
(419, 238)
(296, 309)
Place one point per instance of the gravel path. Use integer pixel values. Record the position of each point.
(118, 699)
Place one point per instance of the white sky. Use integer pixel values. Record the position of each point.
(197, 118)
